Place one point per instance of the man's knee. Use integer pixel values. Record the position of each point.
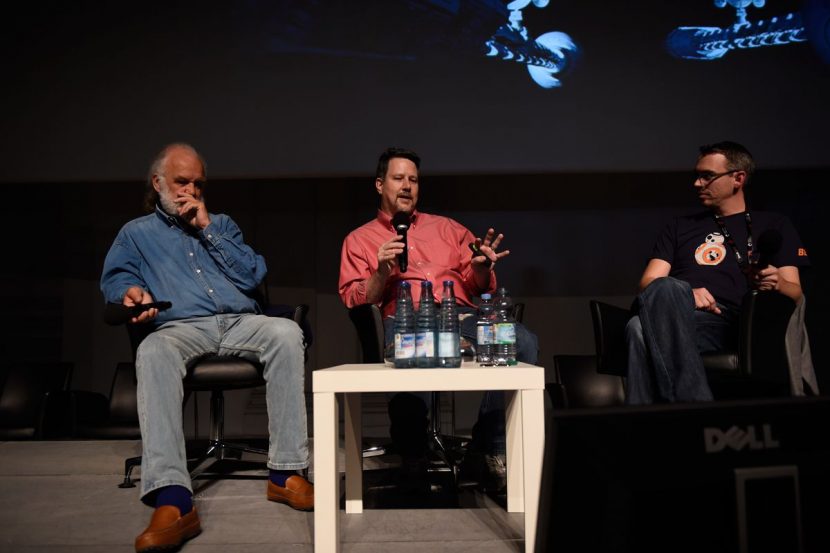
(666, 288)
(156, 345)
(634, 330)
(159, 351)
(280, 330)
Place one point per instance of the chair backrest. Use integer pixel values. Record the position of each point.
(764, 320)
(123, 404)
(24, 389)
(583, 386)
(368, 323)
(609, 334)
(519, 312)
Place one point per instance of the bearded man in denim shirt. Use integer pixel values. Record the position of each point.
(198, 261)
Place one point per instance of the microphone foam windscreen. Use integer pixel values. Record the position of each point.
(400, 221)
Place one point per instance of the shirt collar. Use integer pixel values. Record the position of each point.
(170, 220)
(386, 220)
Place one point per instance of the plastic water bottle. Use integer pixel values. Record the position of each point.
(426, 328)
(504, 330)
(484, 331)
(404, 328)
(449, 348)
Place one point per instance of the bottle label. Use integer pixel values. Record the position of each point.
(425, 344)
(404, 346)
(485, 335)
(505, 333)
(448, 345)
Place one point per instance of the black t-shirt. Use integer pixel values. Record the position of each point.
(698, 253)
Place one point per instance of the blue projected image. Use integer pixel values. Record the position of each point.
(419, 31)
(710, 43)
(546, 57)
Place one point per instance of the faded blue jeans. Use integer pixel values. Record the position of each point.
(161, 362)
(407, 414)
(665, 341)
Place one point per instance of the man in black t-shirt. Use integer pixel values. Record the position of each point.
(701, 267)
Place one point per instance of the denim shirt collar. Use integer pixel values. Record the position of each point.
(174, 221)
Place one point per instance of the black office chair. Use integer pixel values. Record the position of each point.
(216, 375)
(758, 368)
(114, 417)
(581, 386)
(34, 401)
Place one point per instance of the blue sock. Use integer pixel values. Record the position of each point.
(177, 496)
(279, 477)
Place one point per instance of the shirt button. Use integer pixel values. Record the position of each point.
(210, 236)
(211, 291)
(191, 254)
(198, 270)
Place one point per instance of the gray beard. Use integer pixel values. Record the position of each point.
(168, 206)
(166, 202)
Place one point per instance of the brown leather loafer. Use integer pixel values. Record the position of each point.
(298, 493)
(168, 530)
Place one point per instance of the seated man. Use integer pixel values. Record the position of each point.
(702, 266)
(197, 260)
(438, 251)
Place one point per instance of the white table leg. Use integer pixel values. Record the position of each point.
(354, 454)
(326, 478)
(533, 430)
(515, 463)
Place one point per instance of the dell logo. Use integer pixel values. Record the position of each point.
(739, 439)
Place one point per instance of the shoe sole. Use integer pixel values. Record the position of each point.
(286, 501)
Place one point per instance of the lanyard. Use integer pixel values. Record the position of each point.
(742, 263)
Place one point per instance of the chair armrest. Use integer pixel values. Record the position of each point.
(609, 335)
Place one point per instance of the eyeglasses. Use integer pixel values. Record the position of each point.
(707, 177)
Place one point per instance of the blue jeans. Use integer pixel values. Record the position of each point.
(161, 364)
(665, 340)
(407, 415)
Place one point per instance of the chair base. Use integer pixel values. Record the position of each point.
(217, 451)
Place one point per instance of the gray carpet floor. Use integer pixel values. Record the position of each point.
(63, 496)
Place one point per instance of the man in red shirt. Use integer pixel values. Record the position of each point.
(438, 250)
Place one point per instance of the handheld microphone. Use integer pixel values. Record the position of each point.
(400, 222)
(117, 313)
(769, 244)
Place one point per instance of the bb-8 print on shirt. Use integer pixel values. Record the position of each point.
(712, 251)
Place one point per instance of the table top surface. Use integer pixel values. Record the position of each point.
(383, 377)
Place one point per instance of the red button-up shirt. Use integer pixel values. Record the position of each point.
(438, 251)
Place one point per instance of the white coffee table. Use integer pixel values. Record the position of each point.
(523, 384)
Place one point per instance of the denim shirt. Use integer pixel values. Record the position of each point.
(201, 272)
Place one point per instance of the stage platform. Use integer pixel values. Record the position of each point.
(63, 496)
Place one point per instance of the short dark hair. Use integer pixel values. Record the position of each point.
(737, 156)
(390, 153)
(151, 197)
